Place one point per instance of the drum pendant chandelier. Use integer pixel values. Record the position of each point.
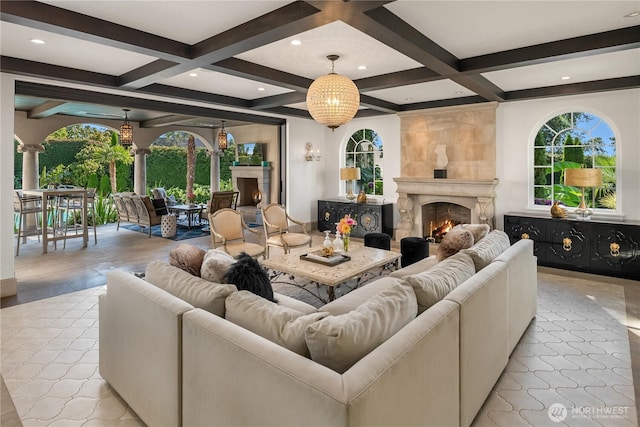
(333, 99)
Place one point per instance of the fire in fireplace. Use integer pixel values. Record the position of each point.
(440, 217)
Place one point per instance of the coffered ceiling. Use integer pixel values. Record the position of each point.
(403, 55)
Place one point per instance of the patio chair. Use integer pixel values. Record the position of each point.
(276, 228)
(161, 193)
(227, 230)
(220, 200)
(22, 207)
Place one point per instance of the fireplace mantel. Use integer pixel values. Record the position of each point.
(413, 192)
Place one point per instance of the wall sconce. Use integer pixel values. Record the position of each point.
(310, 154)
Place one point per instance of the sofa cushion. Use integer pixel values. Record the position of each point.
(194, 290)
(215, 265)
(188, 258)
(453, 242)
(160, 206)
(149, 205)
(478, 230)
(248, 275)
(357, 297)
(338, 342)
(488, 248)
(434, 284)
(415, 268)
(282, 325)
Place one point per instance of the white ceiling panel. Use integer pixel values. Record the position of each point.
(184, 21)
(224, 84)
(310, 58)
(472, 28)
(422, 92)
(67, 51)
(597, 67)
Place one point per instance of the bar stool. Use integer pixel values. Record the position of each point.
(68, 207)
(24, 206)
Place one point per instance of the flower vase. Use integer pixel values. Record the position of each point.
(346, 240)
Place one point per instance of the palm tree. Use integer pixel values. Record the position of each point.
(100, 154)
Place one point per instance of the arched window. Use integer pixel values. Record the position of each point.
(574, 140)
(364, 151)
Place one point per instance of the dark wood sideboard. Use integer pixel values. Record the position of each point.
(371, 217)
(608, 248)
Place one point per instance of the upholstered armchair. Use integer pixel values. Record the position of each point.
(227, 230)
(277, 229)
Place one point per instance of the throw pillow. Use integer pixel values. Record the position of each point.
(160, 206)
(215, 265)
(188, 258)
(488, 248)
(282, 325)
(435, 283)
(197, 292)
(478, 230)
(454, 241)
(248, 275)
(338, 342)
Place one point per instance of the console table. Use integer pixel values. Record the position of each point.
(609, 248)
(371, 217)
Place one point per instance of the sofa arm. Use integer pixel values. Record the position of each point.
(522, 272)
(483, 336)
(140, 329)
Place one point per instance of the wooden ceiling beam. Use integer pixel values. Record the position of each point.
(621, 83)
(576, 47)
(47, 109)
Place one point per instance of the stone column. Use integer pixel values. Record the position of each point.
(214, 175)
(30, 164)
(140, 170)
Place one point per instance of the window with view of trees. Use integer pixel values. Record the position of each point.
(364, 151)
(574, 140)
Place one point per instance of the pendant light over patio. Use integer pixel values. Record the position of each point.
(333, 99)
(126, 131)
(223, 142)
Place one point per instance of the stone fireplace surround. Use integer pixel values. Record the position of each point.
(477, 196)
(263, 176)
(469, 134)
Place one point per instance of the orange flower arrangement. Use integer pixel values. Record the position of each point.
(344, 227)
(346, 224)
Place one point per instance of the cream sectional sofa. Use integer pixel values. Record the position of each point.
(187, 363)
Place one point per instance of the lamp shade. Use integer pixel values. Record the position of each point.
(584, 177)
(349, 174)
(333, 99)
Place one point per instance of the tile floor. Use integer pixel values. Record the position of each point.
(576, 354)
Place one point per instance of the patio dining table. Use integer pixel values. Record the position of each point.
(48, 194)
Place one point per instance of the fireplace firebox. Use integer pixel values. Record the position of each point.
(439, 217)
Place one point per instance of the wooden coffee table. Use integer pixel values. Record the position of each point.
(363, 260)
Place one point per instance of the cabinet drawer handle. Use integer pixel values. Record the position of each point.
(524, 236)
(614, 249)
(327, 215)
(566, 244)
(367, 221)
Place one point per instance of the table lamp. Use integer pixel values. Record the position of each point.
(583, 178)
(350, 175)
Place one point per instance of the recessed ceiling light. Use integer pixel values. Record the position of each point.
(565, 77)
(261, 89)
(296, 42)
(38, 41)
(408, 99)
(193, 74)
(362, 67)
(458, 92)
(632, 14)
